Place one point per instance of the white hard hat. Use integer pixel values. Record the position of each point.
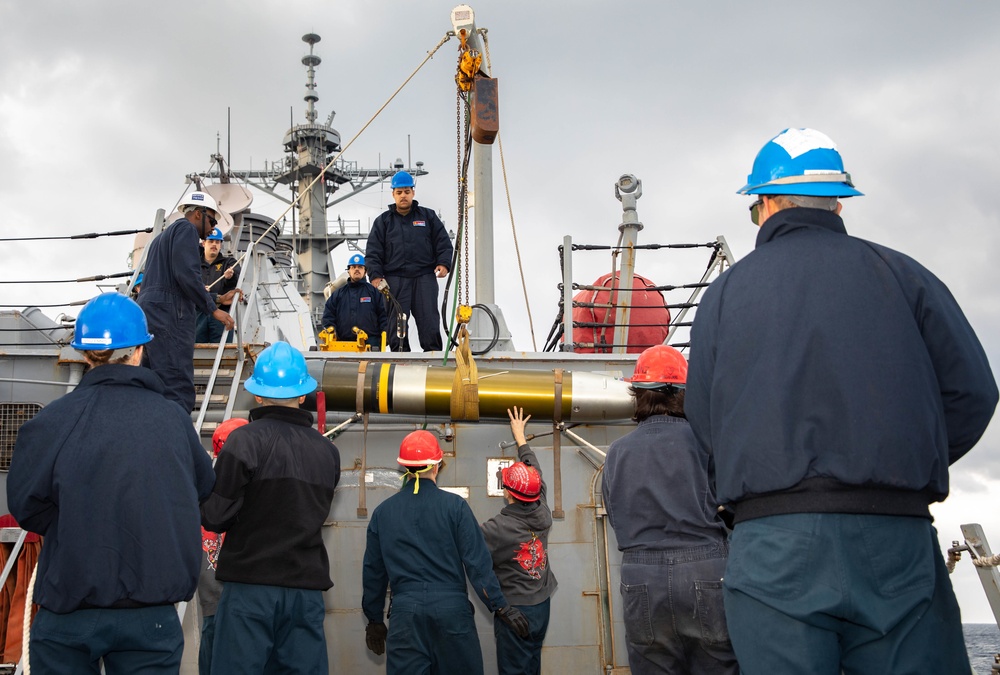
(202, 199)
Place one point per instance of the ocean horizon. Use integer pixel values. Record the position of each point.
(982, 641)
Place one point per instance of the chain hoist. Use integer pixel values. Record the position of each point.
(469, 62)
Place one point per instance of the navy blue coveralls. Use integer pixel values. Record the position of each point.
(172, 294)
(404, 250)
(111, 475)
(423, 545)
(357, 303)
(209, 329)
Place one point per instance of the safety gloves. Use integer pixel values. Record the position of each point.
(375, 636)
(513, 617)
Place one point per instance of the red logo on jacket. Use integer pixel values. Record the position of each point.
(531, 556)
(211, 543)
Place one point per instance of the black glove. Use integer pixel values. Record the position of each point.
(514, 619)
(375, 637)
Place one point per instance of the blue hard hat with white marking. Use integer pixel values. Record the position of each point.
(215, 235)
(402, 179)
(799, 162)
(356, 259)
(110, 321)
(280, 372)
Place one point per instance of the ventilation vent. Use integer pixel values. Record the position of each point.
(12, 416)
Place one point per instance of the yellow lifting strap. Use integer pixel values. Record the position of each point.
(465, 388)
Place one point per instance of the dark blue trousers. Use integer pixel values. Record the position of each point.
(209, 330)
(432, 633)
(171, 320)
(674, 616)
(418, 296)
(522, 657)
(207, 642)
(147, 640)
(822, 593)
(269, 629)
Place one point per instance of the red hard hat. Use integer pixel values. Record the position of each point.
(419, 448)
(222, 433)
(659, 365)
(523, 481)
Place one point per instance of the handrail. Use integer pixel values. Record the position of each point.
(241, 352)
(12, 558)
(220, 350)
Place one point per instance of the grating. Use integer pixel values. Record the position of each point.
(12, 416)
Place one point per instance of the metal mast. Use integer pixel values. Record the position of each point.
(462, 17)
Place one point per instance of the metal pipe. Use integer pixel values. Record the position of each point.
(720, 259)
(607, 572)
(582, 441)
(12, 558)
(628, 189)
(567, 293)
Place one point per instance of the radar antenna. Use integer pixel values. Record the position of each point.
(310, 60)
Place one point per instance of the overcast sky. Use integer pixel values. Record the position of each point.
(105, 106)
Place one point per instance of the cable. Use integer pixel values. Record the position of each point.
(89, 235)
(78, 303)
(401, 318)
(496, 332)
(99, 277)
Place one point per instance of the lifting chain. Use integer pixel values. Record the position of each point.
(464, 79)
(461, 183)
(465, 217)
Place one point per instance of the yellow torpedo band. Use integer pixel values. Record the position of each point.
(383, 388)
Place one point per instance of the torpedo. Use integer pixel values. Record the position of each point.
(404, 389)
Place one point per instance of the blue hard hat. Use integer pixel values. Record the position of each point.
(215, 235)
(280, 372)
(110, 321)
(799, 162)
(402, 179)
(138, 280)
(356, 259)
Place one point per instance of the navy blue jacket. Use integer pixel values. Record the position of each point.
(429, 539)
(111, 475)
(211, 272)
(407, 246)
(275, 480)
(657, 490)
(834, 375)
(357, 303)
(173, 265)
